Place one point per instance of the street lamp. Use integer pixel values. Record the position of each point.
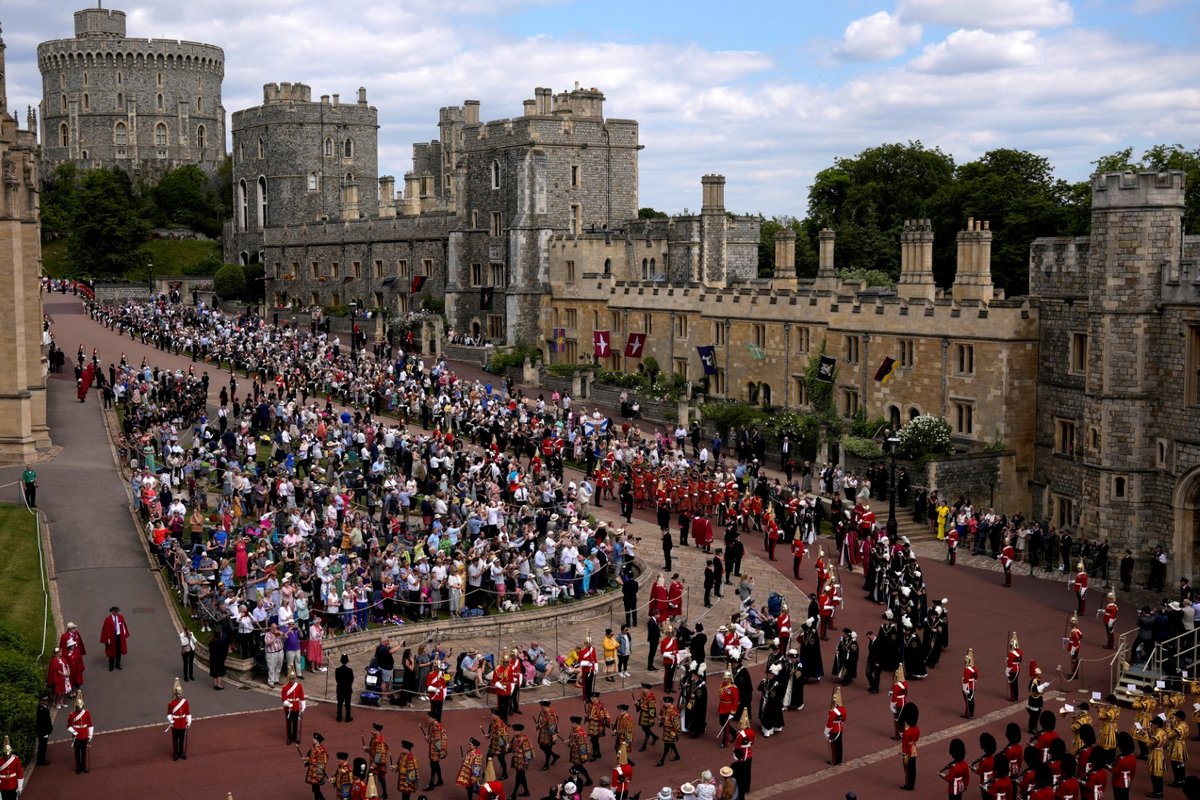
(893, 442)
(150, 264)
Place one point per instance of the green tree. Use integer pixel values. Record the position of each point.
(1175, 156)
(766, 243)
(867, 198)
(230, 282)
(1017, 193)
(106, 229)
(651, 213)
(60, 201)
(186, 197)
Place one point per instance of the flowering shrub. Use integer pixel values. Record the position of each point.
(925, 436)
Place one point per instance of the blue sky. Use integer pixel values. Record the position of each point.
(767, 94)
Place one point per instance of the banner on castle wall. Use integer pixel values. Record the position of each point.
(825, 369)
(708, 357)
(601, 343)
(634, 345)
(558, 344)
(485, 298)
(886, 369)
(418, 282)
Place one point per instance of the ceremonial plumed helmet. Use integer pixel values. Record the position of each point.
(623, 756)
(292, 672)
(177, 689)
(1079, 567)
(744, 722)
(969, 659)
(79, 699)
(7, 747)
(836, 699)
(489, 772)
(1013, 643)
(1111, 596)
(1074, 621)
(899, 672)
(372, 787)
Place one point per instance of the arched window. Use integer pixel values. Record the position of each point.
(63, 104)
(348, 149)
(241, 204)
(496, 174)
(645, 269)
(913, 413)
(894, 416)
(160, 135)
(121, 135)
(349, 177)
(120, 101)
(608, 266)
(653, 269)
(262, 201)
(160, 101)
(312, 181)
(262, 148)
(329, 147)
(87, 102)
(199, 105)
(200, 135)
(64, 135)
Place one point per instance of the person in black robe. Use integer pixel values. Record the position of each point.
(772, 688)
(937, 637)
(695, 701)
(845, 663)
(793, 698)
(742, 680)
(889, 643)
(914, 652)
(810, 650)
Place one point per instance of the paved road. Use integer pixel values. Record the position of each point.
(99, 561)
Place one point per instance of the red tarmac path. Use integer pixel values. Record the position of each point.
(245, 754)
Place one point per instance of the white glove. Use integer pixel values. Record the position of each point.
(189, 719)
(71, 730)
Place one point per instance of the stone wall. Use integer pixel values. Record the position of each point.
(117, 292)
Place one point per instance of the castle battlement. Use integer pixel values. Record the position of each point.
(1138, 189)
(287, 93)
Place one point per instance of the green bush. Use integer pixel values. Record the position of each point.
(861, 447)
(230, 282)
(18, 712)
(727, 416)
(866, 428)
(22, 680)
(623, 380)
(564, 370)
(336, 311)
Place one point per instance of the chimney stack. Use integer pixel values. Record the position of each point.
(916, 261)
(973, 277)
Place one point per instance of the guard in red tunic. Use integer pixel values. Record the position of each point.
(1074, 644)
(783, 627)
(897, 699)
(970, 676)
(1007, 556)
(12, 774)
(669, 648)
(490, 788)
(835, 723)
(179, 717)
(1079, 587)
(376, 749)
(435, 690)
(58, 678)
(114, 635)
(675, 597)
(587, 666)
(798, 553)
(957, 774)
(622, 775)
(439, 747)
(503, 680)
(470, 774)
(1012, 666)
(743, 754)
(908, 745)
(1110, 619)
(499, 737)
(522, 757)
(294, 704)
(79, 725)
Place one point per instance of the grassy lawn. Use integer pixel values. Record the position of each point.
(171, 257)
(20, 586)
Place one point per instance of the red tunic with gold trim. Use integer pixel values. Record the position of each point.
(471, 771)
(408, 772)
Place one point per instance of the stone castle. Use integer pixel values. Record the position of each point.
(526, 228)
(144, 105)
(24, 432)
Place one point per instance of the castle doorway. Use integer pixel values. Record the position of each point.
(1185, 560)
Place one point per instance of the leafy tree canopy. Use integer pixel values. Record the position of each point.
(106, 228)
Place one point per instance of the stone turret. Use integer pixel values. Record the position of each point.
(785, 253)
(973, 278)
(916, 261)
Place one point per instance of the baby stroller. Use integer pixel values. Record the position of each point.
(372, 684)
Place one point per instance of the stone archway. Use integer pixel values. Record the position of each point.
(1185, 504)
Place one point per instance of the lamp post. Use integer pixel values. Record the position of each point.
(892, 526)
(150, 264)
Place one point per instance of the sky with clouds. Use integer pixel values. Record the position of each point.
(766, 93)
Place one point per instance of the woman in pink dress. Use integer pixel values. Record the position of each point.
(241, 566)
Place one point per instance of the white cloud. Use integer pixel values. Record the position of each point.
(989, 14)
(979, 51)
(879, 37)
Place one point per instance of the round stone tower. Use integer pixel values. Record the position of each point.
(145, 105)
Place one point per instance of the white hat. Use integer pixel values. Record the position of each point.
(569, 787)
(664, 793)
(792, 652)
(687, 788)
